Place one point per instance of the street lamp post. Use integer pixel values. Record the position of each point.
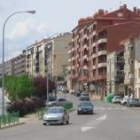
(3, 51)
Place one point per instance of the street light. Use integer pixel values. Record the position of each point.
(3, 49)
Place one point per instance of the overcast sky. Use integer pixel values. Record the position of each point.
(52, 16)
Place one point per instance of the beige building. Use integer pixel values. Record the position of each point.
(129, 67)
(20, 64)
(48, 54)
(137, 66)
(115, 72)
(35, 59)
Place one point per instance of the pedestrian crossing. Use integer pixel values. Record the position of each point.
(114, 108)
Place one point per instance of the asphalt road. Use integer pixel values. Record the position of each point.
(110, 122)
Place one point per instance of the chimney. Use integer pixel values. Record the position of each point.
(124, 6)
(135, 9)
(101, 12)
(138, 11)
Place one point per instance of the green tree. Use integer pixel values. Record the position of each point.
(25, 87)
(19, 87)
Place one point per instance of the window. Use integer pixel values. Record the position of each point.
(119, 14)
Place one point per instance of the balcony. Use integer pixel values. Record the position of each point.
(94, 33)
(102, 64)
(70, 60)
(94, 55)
(102, 52)
(74, 76)
(102, 40)
(85, 67)
(69, 51)
(82, 78)
(85, 46)
(101, 77)
(94, 44)
(85, 57)
(94, 67)
(85, 36)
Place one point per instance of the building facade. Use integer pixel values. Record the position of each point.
(92, 39)
(49, 54)
(20, 64)
(115, 72)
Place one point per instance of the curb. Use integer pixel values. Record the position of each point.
(12, 125)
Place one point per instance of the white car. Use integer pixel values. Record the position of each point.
(124, 100)
(56, 115)
(117, 99)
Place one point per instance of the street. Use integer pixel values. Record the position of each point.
(109, 122)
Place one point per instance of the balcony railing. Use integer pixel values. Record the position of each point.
(102, 40)
(102, 64)
(102, 52)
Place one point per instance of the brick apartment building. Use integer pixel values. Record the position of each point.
(92, 39)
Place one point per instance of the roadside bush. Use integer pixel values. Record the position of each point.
(26, 106)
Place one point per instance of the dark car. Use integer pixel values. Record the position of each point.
(133, 102)
(84, 97)
(78, 92)
(85, 107)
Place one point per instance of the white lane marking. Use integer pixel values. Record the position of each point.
(110, 108)
(102, 118)
(90, 125)
(86, 128)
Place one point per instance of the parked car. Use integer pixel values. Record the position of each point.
(85, 107)
(117, 99)
(60, 101)
(133, 102)
(71, 91)
(78, 92)
(124, 100)
(84, 97)
(56, 115)
(65, 90)
(51, 102)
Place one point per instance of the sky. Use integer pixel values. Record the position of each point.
(51, 17)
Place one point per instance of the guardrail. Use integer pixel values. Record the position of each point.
(9, 119)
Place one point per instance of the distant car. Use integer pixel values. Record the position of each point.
(84, 97)
(71, 91)
(78, 92)
(133, 102)
(51, 102)
(124, 100)
(56, 115)
(85, 107)
(60, 102)
(117, 99)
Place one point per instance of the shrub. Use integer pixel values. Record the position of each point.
(26, 106)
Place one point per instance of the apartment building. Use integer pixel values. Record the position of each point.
(132, 65)
(57, 49)
(20, 64)
(48, 54)
(35, 59)
(115, 72)
(93, 38)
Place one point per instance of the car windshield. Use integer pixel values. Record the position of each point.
(62, 99)
(55, 110)
(85, 104)
(84, 94)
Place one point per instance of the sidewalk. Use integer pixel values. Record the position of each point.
(95, 97)
(29, 118)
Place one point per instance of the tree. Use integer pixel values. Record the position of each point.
(19, 87)
(40, 86)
